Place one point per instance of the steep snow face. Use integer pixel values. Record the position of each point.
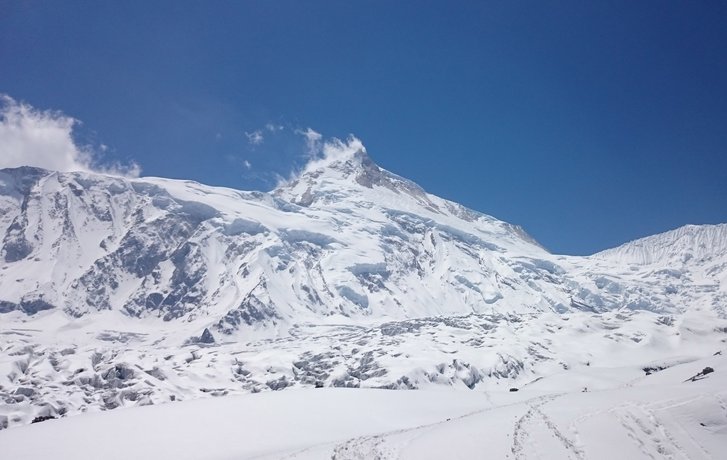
(686, 268)
(691, 244)
(345, 241)
(346, 178)
(357, 242)
(348, 275)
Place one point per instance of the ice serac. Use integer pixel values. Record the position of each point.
(690, 244)
(138, 291)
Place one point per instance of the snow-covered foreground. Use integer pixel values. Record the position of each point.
(63, 368)
(662, 415)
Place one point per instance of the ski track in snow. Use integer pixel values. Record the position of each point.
(643, 428)
(375, 446)
(640, 422)
(534, 415)
(647, 432)
(364, 448)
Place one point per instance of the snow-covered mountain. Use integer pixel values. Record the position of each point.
(118, 291)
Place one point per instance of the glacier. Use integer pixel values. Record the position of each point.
(118, 292)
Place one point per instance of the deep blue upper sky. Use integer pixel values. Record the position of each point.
(588, 123)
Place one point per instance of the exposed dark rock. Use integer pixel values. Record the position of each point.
(215, 391)
(7, 307)
(16, 249)
(651, 369)
(252, 310)
(15, 246)
(154, 300)
(206, 337)
(43, 418)
(699, 376)
(31, 307)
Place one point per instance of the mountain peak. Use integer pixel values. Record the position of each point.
(341, 159)
(342, 166)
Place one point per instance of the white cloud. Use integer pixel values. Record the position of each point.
(44, 139)
(255, 138)
(247, 164)
(312, 141)
(273, 128)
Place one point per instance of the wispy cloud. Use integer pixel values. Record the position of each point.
(273, 127)
(256, 137)
(313, 141)
(44, 139)
(237, 161)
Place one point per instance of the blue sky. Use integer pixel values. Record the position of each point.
(588, 123)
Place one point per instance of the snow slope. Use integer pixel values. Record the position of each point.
(122, 292)
(656, 416)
